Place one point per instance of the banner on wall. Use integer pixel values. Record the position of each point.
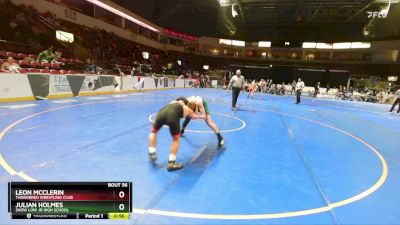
(65, 84)
(39, 85)
(104, 82)
(131, 83)
(75, 83)
(14, 86)
(179, 83)
(98, 84)
(214, 83)
(171, 82)
(188, 83)
(165, 81)
(59, 85)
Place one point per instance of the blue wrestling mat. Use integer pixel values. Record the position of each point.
(319, 162)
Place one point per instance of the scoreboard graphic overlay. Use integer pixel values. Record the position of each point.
(70, 200)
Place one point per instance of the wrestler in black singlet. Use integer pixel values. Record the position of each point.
(169, 115)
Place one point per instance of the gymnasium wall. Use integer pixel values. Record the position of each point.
(257, 72)
(309, 76)
(334, 78)
(24, 87)
(283, 74)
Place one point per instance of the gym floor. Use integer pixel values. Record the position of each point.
(319, 162)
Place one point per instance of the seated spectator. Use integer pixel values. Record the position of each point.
(47, 55)
(10, 66)
(119, 69)
(133, 70)
(282, 89)
(58, 54)
(29, 59)
(91, 68)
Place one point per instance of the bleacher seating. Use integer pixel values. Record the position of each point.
(36, 64)
(21, 55)
(46, 64)
(33, 70)
(23, 63)
(55, 65)
(12, 54)
(23, 70)
(55, 72)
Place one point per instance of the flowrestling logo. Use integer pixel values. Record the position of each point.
(380, 14)
(376, 14)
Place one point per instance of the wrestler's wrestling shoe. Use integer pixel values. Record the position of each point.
(182, 131)
(153, 156)
(221, 142)
(172, 165)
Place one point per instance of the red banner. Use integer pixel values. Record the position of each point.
(180, 35)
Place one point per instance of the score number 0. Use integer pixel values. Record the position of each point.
(121, 206)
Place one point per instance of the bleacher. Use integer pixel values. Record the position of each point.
(60, 66)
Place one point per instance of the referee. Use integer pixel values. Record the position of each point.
(237, 83)
(299, 88)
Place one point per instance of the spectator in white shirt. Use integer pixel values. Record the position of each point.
(10, 66)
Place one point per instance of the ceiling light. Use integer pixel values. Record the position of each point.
(122, 14)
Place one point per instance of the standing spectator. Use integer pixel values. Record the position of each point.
(202, 80)
(397, 101)
(47, 55)
(237, 83)
(299, 89)
(293, 87)
(10, 66)
(271, 82)
(316, 89)
(327, 88)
